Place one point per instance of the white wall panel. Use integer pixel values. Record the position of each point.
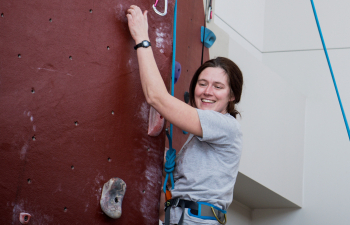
(290, 25)
(273, 127)
(245, 17)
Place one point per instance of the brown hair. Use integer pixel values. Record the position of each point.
(235, 80)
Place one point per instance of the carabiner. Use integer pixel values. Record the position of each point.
(165, 8)
(209, 13)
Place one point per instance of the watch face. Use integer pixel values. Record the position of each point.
(145, 43)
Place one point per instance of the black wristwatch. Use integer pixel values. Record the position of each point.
(144, 44)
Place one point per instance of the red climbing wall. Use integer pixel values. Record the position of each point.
(72, 112)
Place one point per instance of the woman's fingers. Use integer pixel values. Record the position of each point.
(145, 15)
(135, 10)
(137, 22)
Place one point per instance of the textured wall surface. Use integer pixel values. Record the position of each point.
(72, 112)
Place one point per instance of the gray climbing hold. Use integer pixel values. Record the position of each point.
(112, 197)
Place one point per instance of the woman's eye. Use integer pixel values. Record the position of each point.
(218, 87)
(201, 84)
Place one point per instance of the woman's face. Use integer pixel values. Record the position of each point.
(212, 90)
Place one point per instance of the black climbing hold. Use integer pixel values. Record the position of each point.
(187, 97)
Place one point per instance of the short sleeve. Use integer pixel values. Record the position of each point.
(218, 128)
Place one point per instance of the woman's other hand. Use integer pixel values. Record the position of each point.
(138, 24)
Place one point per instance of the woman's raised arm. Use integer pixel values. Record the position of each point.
(172, 109)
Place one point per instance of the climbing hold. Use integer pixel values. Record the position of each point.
(24, 218)
(112, 197)
(177, 71)
(155, 122)
(209, 38)
(187, 97)
(165, 8)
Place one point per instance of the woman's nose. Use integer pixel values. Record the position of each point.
(208, 90)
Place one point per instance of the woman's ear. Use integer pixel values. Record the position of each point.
(232, 98)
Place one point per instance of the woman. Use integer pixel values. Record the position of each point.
(207, 165)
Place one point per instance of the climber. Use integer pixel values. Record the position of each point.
(207, 165)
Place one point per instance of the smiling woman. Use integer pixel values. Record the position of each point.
(225, 76)
(207, 165)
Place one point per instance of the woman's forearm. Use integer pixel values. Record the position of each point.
(152, 82)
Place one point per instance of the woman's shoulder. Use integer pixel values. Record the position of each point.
(215, 121)
(217, 116)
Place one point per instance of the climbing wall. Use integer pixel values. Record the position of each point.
(72, 112)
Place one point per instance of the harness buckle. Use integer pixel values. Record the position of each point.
(177, 200)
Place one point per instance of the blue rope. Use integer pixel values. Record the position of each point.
(171, 153)
(173, 60)
(170, 163)
(330, 68)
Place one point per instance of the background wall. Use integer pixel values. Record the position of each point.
(292, 51)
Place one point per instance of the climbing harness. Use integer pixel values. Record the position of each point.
(209, 12)
(201, 210)
(330, 68)
(165, 8)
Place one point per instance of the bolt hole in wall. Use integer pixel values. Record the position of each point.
(107, 47)
(72, 167)
(29, 181)
(70, 57)
(50, 20)
(33, 91)
(34, 138)
(109, 159)
(19, 55)
(76, 123)
(91, 11)
(143, 191)
(112, 112)
(65, 209)
(2, 15)
(116, 200)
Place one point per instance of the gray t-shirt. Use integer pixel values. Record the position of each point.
(206, 167)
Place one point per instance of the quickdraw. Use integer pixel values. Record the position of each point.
(165, 8)
(209, 12)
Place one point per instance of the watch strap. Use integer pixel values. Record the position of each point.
(141, 45)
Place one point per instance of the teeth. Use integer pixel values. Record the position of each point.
(206, 100)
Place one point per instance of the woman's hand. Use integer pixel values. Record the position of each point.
(138, 24)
